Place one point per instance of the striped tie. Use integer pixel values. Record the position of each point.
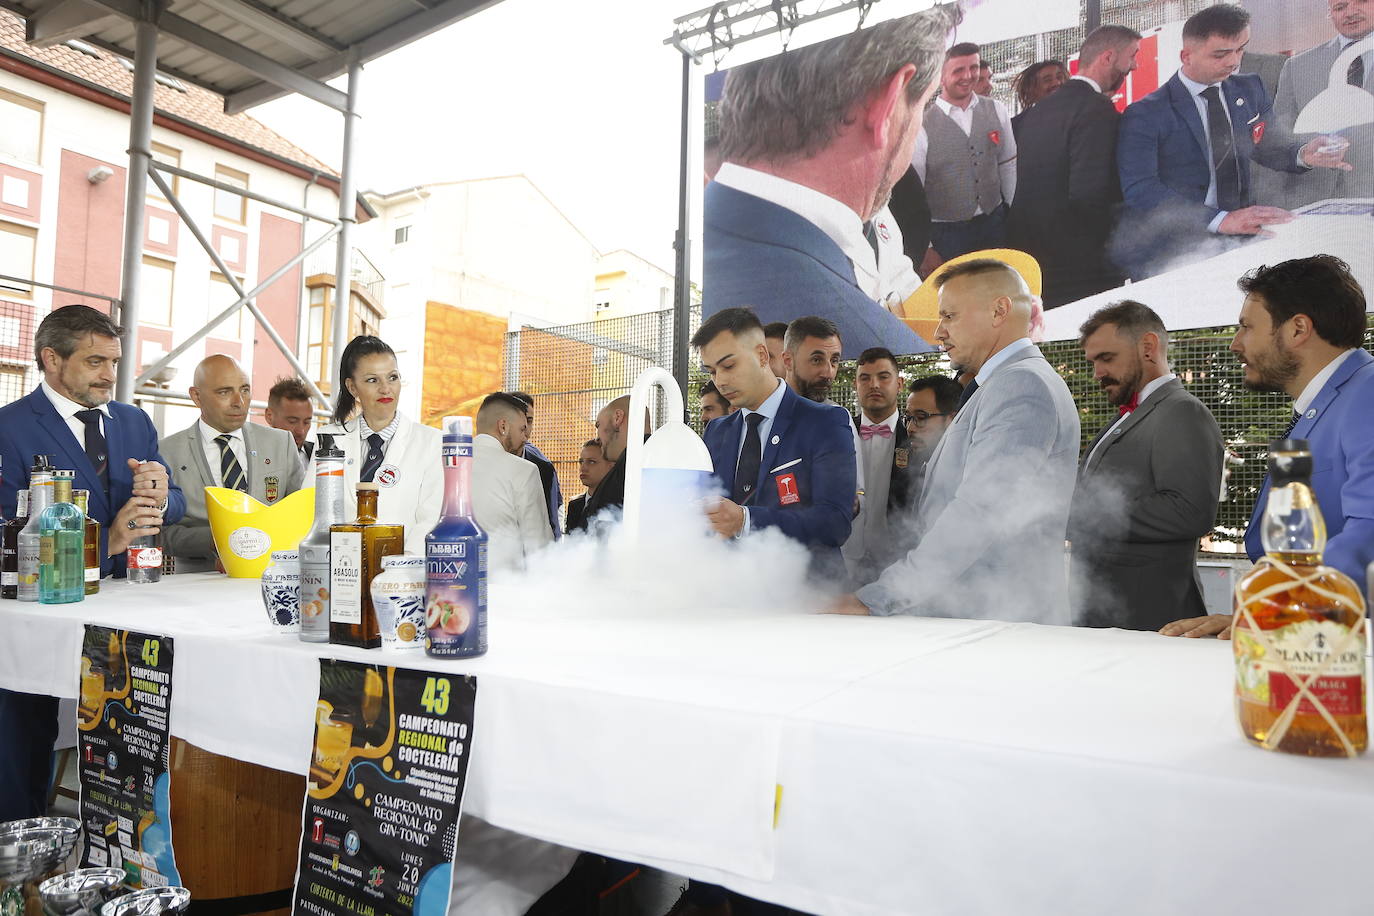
(230, 471)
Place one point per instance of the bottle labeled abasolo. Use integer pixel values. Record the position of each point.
(456, 557)
(1299, 628)
(356, 550)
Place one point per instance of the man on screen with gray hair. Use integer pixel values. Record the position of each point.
(813, 141)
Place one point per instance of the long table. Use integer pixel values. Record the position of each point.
(831, 764)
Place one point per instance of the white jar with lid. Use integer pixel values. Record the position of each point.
(281, 591)
(398, 594)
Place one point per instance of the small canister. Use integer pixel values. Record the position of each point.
(398, 594)
(281, 591)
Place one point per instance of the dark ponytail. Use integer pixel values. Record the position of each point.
(357, 348)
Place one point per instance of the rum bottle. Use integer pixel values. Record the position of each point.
(9, 558)
(314, 547)
(456, 558)
(355, 558)
(29, 540)
(82, 498)
(1299, 629)
(62, 546)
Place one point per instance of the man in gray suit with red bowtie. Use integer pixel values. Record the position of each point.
(1148, 484)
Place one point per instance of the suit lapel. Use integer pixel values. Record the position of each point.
(1186, 108)
(197, 450)
(67, 452)
(1328, 393)
(1137, 417)
(725, 458)
(781, 423)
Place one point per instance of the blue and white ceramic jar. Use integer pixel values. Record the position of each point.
(398, 594)
(281, 591)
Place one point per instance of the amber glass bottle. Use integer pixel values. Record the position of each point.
(355, 558)
(1299, 631)
(82, 499)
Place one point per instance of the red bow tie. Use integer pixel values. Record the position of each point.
(881, 429)
(1130, 405)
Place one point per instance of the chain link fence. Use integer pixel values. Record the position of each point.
(575, 370)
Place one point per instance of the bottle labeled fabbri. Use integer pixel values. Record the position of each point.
(29, 540)
(1299, 627)
(91, 543)
(9, 559)
(314, 547)
(456, 557)
(355, 559)
(62, 546)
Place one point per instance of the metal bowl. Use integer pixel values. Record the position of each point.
(81, 891)
(28, 852)
(153, 900)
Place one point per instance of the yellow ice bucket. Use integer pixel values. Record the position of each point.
(246, 532)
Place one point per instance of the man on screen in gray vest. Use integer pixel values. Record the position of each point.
(966, 158)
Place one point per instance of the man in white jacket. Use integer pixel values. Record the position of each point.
(507, 497)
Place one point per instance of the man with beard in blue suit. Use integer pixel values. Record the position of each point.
(785, 462)
(112, 447)
(1300, 332)
(1183, 152)
(814, 140)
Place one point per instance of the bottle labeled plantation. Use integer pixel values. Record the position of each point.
(355, 558)
(456, 557)
(1299, 627)
(9, 559)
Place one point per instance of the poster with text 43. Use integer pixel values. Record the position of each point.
(387, 771)
(121, 717)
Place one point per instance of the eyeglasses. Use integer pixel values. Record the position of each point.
(921, 417)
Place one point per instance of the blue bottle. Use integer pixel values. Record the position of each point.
(456, 558)
(62, 546)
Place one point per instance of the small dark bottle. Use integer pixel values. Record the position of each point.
(355, 558)
(9, 557)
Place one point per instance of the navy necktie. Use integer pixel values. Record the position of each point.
(1291, 423)
(968, 392)
(374, 457)
(230, 471)
(1223, 151)
(96, 448)
(750, 457)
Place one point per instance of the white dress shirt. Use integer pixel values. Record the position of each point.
(877, 455)
(67, 409)
(1314, 387)
(768, 410)
(212, 455)
(841, 224)
(1006, 163)
(1001, 356)
(1150, 388)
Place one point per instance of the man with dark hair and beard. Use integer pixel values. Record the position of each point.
(811, 360)
(1300, 332)
(813, 142)
(1148, 485)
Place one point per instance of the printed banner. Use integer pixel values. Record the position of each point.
(122, 716)
(387, 773)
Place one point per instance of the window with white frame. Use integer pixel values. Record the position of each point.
(229, 205)
(22, 120)
(155, 292)
(17, 245)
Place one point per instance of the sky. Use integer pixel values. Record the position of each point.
(584, 98)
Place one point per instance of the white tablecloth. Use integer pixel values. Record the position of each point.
(927, 766)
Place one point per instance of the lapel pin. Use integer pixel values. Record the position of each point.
(1240, 102)
(777, 439)
(265, 460)
(1312, 412)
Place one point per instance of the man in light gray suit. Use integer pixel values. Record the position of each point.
(221, 449)
(1148, 485)
(995, 504)
(1307, 74)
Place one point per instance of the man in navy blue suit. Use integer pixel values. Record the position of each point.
(814, 139)
(784, 462)
(113, 449)
(1183, 152)
(1301, 330)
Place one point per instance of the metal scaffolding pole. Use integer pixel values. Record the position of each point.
(140, 142)
(343, 273)
(682, 269)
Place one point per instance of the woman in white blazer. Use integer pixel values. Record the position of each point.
(404, 459)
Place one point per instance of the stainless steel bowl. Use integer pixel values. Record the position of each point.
(148, 902)
(26, 853)
(82, 891)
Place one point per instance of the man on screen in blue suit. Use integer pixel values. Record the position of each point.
(813, 141)
(1183, 153)
(1301, 330)
(783, 461)
(112, 447)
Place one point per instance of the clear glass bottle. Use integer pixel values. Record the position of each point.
(29, 540)
(62, 546)
(1299, 628)
(9, 559)
(456, 557)
(314, 547)
(355, 559)
(82, 498)
(144, 558)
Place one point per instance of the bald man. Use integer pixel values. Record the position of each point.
(993, 512)
(222, 449)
